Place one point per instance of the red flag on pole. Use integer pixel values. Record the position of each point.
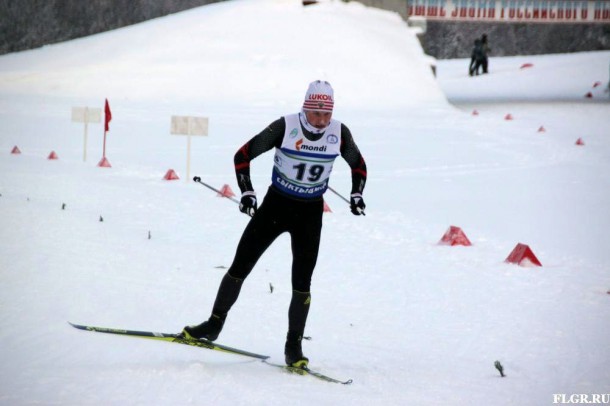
(108, 115)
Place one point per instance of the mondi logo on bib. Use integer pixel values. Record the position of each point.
(300, 146)
(320, 148)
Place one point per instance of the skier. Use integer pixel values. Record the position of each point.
(477, 58)
(486, 52)
(306, 145)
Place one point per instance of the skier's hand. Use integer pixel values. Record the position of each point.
(248, 203)
(356, 204)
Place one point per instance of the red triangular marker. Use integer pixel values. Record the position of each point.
(327, 208)
(170, 175)
(52, 155)
(104, 163)
(455, 236)
(226, 191)
(522, 255)
(15, 150)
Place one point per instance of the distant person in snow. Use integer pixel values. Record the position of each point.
(476, 58)
(306, 145)
(486, 52)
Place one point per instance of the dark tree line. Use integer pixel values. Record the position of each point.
(26, 24)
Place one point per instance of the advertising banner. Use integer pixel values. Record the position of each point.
(543, 11)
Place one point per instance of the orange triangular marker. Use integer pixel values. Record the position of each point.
(171, 175)
(522, 255)
(104, 163)
(455, 236)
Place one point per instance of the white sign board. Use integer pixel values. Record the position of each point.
(86, 115)
(187, 125)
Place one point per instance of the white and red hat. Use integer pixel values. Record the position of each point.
(319, 97)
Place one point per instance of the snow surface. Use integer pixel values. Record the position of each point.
(410, 321)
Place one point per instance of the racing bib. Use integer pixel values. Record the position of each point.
(302, 167)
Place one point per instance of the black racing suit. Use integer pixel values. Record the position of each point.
(279, 213)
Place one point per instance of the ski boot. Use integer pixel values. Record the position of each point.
(208, 330)
(294, 352)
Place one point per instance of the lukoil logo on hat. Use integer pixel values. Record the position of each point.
(319, 97)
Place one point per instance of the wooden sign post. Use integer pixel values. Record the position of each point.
(187, 125)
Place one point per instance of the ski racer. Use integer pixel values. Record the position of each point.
(306, 145)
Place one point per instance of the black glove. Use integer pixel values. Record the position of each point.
(356, 204)
(248, 203)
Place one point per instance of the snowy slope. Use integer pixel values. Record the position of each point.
(410, 321)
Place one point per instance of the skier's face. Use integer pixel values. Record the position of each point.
(318, 119)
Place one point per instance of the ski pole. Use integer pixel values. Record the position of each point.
(338, 194)
(344, 199)
(198, 180)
